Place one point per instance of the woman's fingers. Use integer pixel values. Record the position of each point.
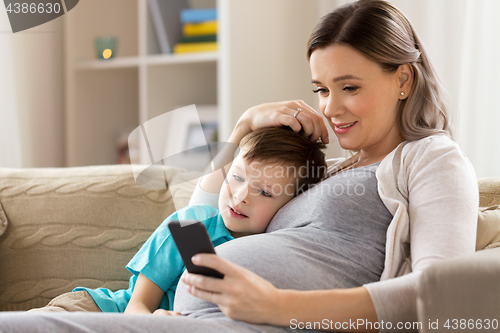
(208, 296)
(306, 120)
(215, 262)
(209, 288)
(314, 125)
(202, 282)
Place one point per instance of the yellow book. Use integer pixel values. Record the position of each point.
(204, 28)
(195, 47)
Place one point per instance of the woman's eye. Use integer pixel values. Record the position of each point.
(321, 91)
(265, 193)
(351, 89)
(238, 178)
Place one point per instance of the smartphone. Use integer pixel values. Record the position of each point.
(191, 237)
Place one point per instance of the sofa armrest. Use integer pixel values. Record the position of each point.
(69, 227)
(465, 288)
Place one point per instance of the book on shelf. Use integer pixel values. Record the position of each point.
(195, 47)
(199, 31)
(203, 28)
(165, 15)
(197, 15)
(198, 39)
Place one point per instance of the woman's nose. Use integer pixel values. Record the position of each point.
(332, 108)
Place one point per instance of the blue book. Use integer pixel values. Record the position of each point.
(198, 15)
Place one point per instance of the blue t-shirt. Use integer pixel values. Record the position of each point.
(160, 261)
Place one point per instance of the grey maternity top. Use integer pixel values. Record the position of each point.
(331, 236)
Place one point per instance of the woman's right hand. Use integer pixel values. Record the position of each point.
(282, 114)
(308, 122)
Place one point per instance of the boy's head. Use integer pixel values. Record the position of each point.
(273, 166)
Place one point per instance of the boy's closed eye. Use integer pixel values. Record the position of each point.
(238, 178)
(265, 193)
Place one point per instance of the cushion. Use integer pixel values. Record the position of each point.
(488, 227)
(489, 191)
(69, 227)
(3, 220)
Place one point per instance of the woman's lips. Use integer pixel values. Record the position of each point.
(344, 128)
(236, 213)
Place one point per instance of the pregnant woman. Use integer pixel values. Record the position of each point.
(352, 248)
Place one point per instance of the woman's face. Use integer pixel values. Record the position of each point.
(358, 99)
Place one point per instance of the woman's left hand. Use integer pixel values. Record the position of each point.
(240, 295)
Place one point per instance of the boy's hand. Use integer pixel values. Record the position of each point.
(162, 312)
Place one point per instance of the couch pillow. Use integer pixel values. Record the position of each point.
(488, 227)
(489, 191)
(3, 220)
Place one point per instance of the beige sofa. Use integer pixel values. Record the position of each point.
(69, 227)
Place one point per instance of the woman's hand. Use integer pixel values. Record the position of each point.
(282, 114)
(240, 295)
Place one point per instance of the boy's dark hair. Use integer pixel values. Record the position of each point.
(282, 146)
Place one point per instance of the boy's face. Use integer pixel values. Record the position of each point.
(254, 192)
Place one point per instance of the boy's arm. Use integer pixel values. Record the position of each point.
(146, 296)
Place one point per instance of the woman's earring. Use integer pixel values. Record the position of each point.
(402, 93)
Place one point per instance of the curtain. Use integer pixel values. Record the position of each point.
(10, 146)
(479, 78)
(461, 37)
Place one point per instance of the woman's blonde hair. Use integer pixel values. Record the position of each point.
(383, 33)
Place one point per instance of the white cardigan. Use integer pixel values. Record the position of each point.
(430, 188)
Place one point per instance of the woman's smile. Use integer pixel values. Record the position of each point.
(343, 128)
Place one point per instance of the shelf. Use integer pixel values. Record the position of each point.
(124, 62)
(173, 59)
(160, 59)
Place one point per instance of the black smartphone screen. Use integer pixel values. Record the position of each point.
(191, 237)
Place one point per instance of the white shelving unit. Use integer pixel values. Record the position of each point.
(261, 58)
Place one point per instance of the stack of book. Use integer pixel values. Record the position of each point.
(199, 31)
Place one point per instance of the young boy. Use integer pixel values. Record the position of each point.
(273, 166)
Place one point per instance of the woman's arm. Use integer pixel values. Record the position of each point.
(243, 295)
(442, 209)
(265, 115)
(146, 296)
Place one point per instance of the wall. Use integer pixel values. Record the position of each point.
(10, 142)
(38, 68)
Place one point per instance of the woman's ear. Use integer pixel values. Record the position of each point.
(405, 75)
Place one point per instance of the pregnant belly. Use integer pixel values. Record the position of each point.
(289, 260)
